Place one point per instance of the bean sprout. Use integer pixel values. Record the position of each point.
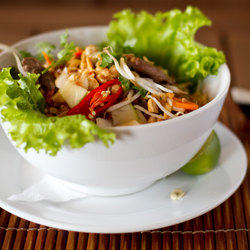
(121, 104)
(147, 112)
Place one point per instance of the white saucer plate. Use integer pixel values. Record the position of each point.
(149, 209)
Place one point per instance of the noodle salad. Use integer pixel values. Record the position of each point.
(115, 92)
(80, 92)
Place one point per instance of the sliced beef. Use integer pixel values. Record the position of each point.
(46, 80)
(146, 69)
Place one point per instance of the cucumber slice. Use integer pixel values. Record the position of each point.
(124, 114)
(142, 118)
(130, 123)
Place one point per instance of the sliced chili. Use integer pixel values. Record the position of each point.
(90, 105)
(78, 53)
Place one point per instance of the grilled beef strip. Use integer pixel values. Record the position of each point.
(146, 69)
(46, 80)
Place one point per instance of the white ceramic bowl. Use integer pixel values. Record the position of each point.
(140, 155)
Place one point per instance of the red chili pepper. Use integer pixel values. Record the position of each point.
(78, 53)
(93, 100)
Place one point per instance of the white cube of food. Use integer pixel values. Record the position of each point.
(72, 93)
(62, 78)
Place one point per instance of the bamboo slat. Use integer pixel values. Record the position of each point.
(218, 225)
(31, 236)
(72, 241)
(208, 228)
(188, 239)
(51, 239)
(199, 236)
(114, 241)
(103, 242)
(167, 238)
(125, 241)
(61, 241)
(177, 240)
(21, 235)
(146, 241)
(156, 241)
(92, 241)
(136, 241)
(41, 237)
(4, 219)
(11, 233)
(229, 224)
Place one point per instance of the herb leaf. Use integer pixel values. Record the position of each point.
(106, 60)
(25, 54)
(44, 47)
(142, 91)
(63, 39)
(125, 82)
(65, 54)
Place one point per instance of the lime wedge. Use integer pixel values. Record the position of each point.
(206, 158)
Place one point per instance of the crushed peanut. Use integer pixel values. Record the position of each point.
(177, 194)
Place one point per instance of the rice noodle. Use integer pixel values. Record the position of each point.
(121, 104)
(147, 112)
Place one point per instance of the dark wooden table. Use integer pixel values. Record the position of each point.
(225, 227)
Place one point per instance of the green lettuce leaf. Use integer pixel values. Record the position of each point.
(29, 128)
(168, 40)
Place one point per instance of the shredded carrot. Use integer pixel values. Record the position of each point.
(183, 103)
(46, 57)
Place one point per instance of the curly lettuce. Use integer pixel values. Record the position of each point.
(168, 40)
(22, 105)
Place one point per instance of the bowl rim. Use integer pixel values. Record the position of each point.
(121, 128)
